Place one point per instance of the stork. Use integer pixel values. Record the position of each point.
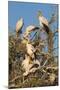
(29, 64)
(30, 28)
(19, 26)
(29, 67)
(44, 24)
(30, 50)
(29, 47)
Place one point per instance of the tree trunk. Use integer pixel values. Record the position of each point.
(50, 42)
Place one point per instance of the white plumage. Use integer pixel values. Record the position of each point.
(43, 20)
(44, 24)
(30, 50)
(30, 28)
(19, 25)
(28, 67)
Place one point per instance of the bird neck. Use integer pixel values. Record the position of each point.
(41, 25)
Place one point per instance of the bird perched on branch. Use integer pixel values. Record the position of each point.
(30, 50)
(29, 47)
(30, 28)
(19, 26)
(28, 31)
(44, 24)
(29, 67)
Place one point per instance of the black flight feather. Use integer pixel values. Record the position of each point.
(46, 28)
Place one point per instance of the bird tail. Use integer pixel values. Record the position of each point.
(46, 28)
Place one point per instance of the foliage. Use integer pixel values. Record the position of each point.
(47, 74)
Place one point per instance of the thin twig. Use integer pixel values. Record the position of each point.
(42, 67)
(15, 79)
